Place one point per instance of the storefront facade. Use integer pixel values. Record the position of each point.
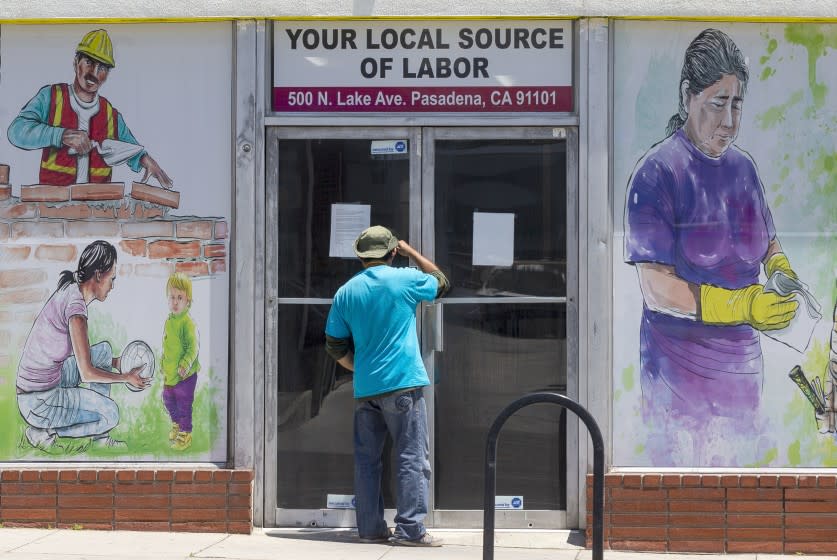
(529, 156)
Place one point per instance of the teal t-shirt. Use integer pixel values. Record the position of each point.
(376, 308)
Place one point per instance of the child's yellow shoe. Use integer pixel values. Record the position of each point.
(182, 442)
(175, 429)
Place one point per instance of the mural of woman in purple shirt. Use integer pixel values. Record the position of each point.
(698, 230)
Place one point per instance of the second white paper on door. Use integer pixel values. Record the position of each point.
(493, 239)
(347, 221)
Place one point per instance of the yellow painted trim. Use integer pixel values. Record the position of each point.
(99, 171)
(684, 18)
(214, 19)
(62, 21)
(419, 18)
(731, 19)
(59, 21)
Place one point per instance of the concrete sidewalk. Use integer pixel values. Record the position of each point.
(307, 544)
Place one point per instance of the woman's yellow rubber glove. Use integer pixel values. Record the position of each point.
(779, 262)
(765, 311)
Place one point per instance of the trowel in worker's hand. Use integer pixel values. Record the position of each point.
(115, 152)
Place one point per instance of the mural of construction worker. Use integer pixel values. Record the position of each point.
(81, 134)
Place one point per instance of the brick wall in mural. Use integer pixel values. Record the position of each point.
(113, 263)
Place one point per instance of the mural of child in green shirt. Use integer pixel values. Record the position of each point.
(179, 363)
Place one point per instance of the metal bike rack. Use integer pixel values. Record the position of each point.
(491, 467)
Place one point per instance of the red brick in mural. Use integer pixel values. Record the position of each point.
(48, 225)
(81, 212)
(155, 195)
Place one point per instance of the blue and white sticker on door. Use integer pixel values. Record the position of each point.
(340, 501)
(508, 502)
(347, 501)
(380, 147)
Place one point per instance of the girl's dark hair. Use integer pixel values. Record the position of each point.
(710, 56)
(99, 256)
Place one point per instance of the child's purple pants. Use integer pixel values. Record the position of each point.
(178, 400)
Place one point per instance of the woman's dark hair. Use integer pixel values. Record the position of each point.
(709, 57)
(99, 256)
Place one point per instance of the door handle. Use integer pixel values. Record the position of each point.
(433, 326)
(438, 326)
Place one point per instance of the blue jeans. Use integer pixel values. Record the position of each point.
(404, 417)
(72, 411)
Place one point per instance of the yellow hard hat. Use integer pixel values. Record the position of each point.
(96, 44)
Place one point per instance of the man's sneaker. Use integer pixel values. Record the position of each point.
(39, 437)
(426, 540)
(376, 539)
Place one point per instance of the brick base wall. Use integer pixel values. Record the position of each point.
(196, 500)
(779, 514)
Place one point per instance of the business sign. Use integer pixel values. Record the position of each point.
(423, 66)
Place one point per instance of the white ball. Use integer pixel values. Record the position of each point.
(135, 354)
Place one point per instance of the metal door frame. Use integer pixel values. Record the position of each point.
(549, 519)
(421, 211)
(313, 517)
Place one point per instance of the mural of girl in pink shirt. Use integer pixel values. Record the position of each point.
(57, 357)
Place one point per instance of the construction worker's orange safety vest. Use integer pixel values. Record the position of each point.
(58, 167)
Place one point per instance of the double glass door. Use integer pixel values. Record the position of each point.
(490, 207)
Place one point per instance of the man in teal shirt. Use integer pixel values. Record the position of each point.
(375, 311)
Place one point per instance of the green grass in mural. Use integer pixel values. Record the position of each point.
(783, 174)
(816, 39)
(767, 72)
(9, 415)
(628, 378)
(144, 428)
(808, 170)
(794, 455)
(101, 327)
(809, 446)
(777, 114)
(766, 460)
(150, 423)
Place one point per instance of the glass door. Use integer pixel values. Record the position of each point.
(489, 206)
(495, 210)
(325, 181)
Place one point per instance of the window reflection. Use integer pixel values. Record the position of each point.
(523, 177)
(315, 404)
(497, 352)
(494, 354)
(313, 175)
